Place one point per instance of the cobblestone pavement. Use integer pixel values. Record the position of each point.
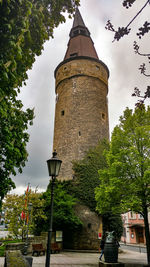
(81, 259)
(70, 259)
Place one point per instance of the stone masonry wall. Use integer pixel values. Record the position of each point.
(81, 116)
(87, 238)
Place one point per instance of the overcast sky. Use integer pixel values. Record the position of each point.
(39, 92)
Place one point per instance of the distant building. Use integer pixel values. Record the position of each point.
(134, 229)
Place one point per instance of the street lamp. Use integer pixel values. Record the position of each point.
(53, 168)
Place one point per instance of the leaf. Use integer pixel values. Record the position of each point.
(7, 64)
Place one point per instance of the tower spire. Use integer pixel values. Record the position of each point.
(78, 21)
(80, 43)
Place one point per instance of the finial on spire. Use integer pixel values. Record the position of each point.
(78, 21)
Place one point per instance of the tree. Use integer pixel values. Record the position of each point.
(118, 34)
(17, 214)
(13, 154)
(24, 26)
(14, 206)
(125, 184)
(86, 179)
(113, 222)
(63, 213)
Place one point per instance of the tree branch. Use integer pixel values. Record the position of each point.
(142, 68)
(125, 30)
(136, 49)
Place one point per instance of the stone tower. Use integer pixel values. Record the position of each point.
(81, 115)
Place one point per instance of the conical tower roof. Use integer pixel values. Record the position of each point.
(78, 21)
(80, 43)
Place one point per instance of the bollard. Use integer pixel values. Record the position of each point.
(111, 248)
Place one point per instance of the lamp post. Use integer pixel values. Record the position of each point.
(53, 168)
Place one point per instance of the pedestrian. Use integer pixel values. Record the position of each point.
(102, 244)
(117, 243)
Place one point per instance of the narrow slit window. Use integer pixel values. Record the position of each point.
(62, 113)
(89, 225)
(73, 55)
(103, 116)
(82, 32)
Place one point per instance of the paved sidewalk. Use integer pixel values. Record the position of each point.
(81, 259)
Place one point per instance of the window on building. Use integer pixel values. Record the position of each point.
(76, 32)
(79, 133)
(132, 235)
(103, 116)
(62, 113)
(73, 55)
(83, 32)
(89, 225)
(132, 215)
(141, 217)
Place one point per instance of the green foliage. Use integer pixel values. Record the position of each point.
(113, 222)
(63, 214)
(15, 204)
(87, 179)
(2, 250)
(63, 218)
(24, 26)
(37, 212)
(13, 136)
(125, 184)
(86, 174)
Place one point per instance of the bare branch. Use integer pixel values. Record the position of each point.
(137, 14)
(136, 49)
(142, 68)
(119, 33)
(109, 26)
(137, 93)
(125, 30)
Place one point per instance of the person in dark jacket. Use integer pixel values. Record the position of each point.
(102, 244)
